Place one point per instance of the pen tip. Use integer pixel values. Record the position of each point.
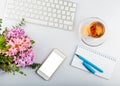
(76, 54)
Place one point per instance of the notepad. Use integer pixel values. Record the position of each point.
(107, 63)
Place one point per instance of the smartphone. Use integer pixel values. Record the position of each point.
(50, 65)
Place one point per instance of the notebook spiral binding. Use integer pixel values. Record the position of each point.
(98, 53)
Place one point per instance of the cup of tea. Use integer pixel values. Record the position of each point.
(93, 31)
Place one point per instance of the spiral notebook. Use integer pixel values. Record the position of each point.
(107, 63)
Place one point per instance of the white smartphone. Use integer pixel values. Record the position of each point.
(50, 65)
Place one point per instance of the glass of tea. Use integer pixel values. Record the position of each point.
(93, 31)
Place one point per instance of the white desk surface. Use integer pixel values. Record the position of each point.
(48, 38)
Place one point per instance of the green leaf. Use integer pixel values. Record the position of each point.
(2, 42)
(17, 69)
(13, 26)
(2, 39)
(20, 24)
(7, 47)
(32, 41)
(34, 65)
(23, 19)
(0, 20)
(21, 72)
(0, 24)
(5, 30)
(25, 50)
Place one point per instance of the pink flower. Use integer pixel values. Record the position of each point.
(20, 48)
(15, 33)
(24, 58)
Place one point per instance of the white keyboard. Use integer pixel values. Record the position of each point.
(54, 13)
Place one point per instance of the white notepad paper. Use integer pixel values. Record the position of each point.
(105, 62)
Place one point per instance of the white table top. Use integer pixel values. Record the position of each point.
(48, 38)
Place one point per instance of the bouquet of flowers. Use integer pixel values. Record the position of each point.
(15, 49)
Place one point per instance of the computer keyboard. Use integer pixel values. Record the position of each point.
(54, 13)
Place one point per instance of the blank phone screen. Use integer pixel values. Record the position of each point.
(51, 64)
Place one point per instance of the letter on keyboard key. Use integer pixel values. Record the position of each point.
(68, 18)
(66, 8)
(70, 28)
(61, 25)
(56, 20)
(69, 4)
(46, 18)
(74, 5)
(56, 24)
(61, 21)
(51, 19)
(62, 7)
(68, 23)
(57, 6)
(65, 27)
(61, 2)
(64, 17)
(65, 3)
(72, 9)
(56, 1)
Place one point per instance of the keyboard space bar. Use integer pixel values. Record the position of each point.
(35, 21)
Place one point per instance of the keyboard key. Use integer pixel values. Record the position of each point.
(56, 24)
(68, 18)
(69, 4)
(61, 21)
(61, 25)
(51, 19)
(72, 9)
(70, 27)
(63, 17)
(74, 5)
(65, 3)
(51, 24)
(63, 12)
(61, 2)
(62, 7)
(57, 6)
(56, 20)
(65, 27)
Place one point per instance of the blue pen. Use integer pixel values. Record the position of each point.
(90, 63)
(88, 67)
